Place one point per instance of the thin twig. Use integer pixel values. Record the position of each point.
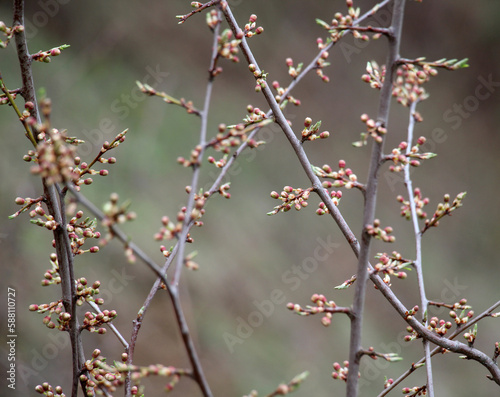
(196, 167)
(418, 248)
(120, 337)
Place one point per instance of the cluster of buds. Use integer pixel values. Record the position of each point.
(251, 28)
(293, 71)
(93, 322)
(54, 159)
(47, 390)
(84, 168)
(401, 156)
(53, 308)
(321, 62)
(150, 91)
(171, 230)
(139, 373)
(443, 209)
(227, 138)
(116, 214)
(344, 177)
(79, 231)
(341, 22)
(260, 77)
(373, 129)
(47, 221)
(52, 275)
(335, 196)
(464, 315)
(228, 45)
(290, 197)
(410, 77)
(282, 97)
(194, 158)
(100, 376)
(382, 234)
(407, 87)
(439, 326)
(57, 161)
(44, 56)
(310, 131)
(212, 17)
(223, 190)
(255, 115)
(415, 390)
(471, 335)
(340, 372)
(231, 136)
(200, 200)
(86, 293)
(391, 265)
(218, 163)
(409, 81)
(322, 306)
(8, 33)
(419, 204)
(374, 75)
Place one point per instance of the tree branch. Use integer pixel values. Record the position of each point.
(371, 199)
(418, 249)
(55, 204)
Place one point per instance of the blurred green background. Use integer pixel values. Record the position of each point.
(247, 258)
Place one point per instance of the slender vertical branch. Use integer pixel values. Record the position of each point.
(199, 159)
(371, 200)
(55, 204)
(418, 250)
(28, 88)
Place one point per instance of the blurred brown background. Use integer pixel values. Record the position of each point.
(246, 257)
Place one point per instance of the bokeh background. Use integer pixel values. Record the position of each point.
(247, 258)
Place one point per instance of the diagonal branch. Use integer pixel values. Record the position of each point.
(335, 212)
